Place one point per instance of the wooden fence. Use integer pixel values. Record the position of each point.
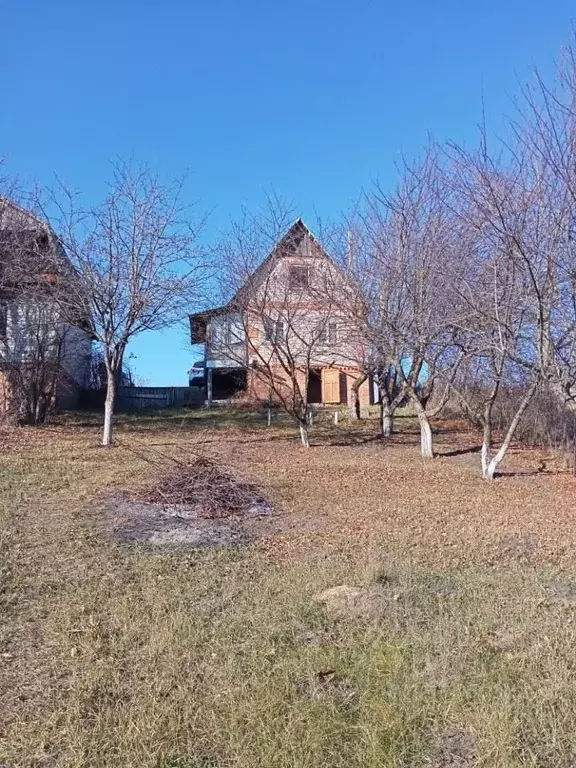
(137, 398)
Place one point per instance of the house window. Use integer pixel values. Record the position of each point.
(273, 330)
(220, 332)
(328, 333)
(226, 330)
(42, 243)
(298, 278)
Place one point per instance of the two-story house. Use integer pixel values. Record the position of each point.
(38, 348)
(286, 323)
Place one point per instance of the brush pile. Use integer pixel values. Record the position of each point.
(209, 491)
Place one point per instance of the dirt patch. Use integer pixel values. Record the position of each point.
(505, 641)
(562, 593)
(181, 525)
(327, 684)
(520, 548)
(456, 749)
(353, 602)
(190, 505)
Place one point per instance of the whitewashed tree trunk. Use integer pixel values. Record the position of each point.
(485, 457)
(490, 464)
(111, 381)
(426, 438)
(490, 469)
(387, 421)
(269, 416)
(486, 450)
(304, 436)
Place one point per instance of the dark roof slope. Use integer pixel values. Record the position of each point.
(29, 249)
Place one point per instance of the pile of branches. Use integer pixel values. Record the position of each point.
(210, 491)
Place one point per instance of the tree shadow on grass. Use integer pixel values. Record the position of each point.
(458, 452)
(531, 472)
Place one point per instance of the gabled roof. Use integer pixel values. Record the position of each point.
(32, 256)
(298, 241)
(28, 246)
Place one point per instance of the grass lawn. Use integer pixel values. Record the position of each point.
(116, 654)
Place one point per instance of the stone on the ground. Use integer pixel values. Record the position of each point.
(348, 601)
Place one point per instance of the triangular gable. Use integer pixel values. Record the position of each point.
(298, 241)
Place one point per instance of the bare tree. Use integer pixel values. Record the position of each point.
(546, 136)
(357, 293)
(408, 314)
(136, 263)
(516, 215)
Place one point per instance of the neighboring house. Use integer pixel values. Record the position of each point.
(287, 313)
(41, 355)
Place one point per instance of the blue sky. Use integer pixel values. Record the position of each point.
(315, 99)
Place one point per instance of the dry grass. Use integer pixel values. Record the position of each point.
(118, 655)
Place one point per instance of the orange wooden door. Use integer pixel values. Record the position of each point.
(330, 385)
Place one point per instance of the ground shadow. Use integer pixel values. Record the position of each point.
(531, 472)
(459, 452)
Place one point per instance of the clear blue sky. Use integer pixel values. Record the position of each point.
(312, 98)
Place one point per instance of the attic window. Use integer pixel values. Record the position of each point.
(42, 243)
(328, 333)
(298, 277)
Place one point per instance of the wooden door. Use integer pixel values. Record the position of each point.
(330, 386)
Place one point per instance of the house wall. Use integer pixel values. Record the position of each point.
(76, 354)
(301, 311)
(31, 329)
(36, 327)
(34, 334)
(258, 387)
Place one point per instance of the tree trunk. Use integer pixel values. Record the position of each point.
(355, 388)
(304, 435)
(490, 465)
(109, 403)
(387, 421)
(426, 438)
(565, 394)
(485, 457)
(486, 441)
